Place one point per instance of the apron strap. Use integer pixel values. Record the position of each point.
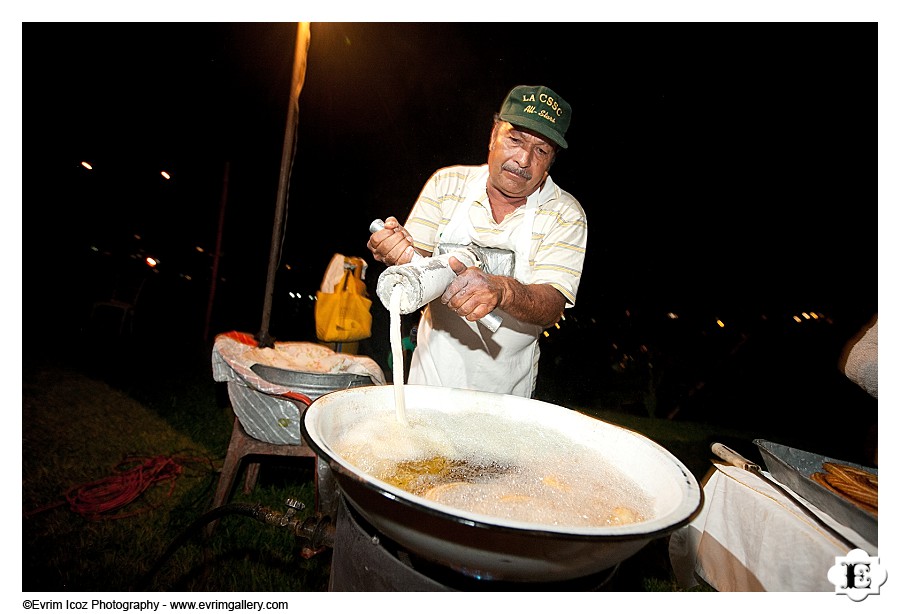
(459, 228)
(523, 241)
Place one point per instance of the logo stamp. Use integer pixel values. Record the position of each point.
(857, 575)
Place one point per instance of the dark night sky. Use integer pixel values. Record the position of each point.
(728, 164)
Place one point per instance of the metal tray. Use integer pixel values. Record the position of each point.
(311, 384)
(793, 468)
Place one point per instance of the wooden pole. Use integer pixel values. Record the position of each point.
(301, 48)
(217, 255)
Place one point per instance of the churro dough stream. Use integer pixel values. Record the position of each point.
(397, 354)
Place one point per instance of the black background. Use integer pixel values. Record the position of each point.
(729, 164)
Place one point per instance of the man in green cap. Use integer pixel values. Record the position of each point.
(511, 207)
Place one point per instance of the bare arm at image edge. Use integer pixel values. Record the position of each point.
(859, 361)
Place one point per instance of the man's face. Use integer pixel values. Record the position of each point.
(518, 160)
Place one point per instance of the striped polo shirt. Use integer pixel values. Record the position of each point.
(558, 239)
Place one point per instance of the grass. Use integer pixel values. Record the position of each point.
(77, 430)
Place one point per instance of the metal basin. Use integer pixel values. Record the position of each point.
(489, 547)
(312, 384)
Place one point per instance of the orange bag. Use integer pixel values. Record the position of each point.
(345, 314)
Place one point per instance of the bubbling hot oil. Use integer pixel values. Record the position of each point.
(482, 464)
(494, 466)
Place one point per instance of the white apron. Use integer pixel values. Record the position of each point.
(455, 353)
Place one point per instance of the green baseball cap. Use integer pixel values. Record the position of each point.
(538, 108)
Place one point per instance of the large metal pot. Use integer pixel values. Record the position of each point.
(487, 547)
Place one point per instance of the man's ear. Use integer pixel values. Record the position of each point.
(493, 135)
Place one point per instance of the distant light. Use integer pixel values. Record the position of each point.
(720, 323)
(292, 295)
(288, 267)
(311, 297)
(87, 165)
(138, 237)
(152, 262)
(198, 248)
(546, 333)
(165, 175)
(557, 325)
(672, 316)
(797, 319)
(805, 315)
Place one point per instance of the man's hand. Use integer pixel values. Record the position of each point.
(474, 294)
(392, 244)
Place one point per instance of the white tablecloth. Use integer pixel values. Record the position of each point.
(750, 537)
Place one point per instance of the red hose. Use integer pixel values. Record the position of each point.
(99, 499)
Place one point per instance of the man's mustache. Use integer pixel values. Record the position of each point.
(521, 172)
